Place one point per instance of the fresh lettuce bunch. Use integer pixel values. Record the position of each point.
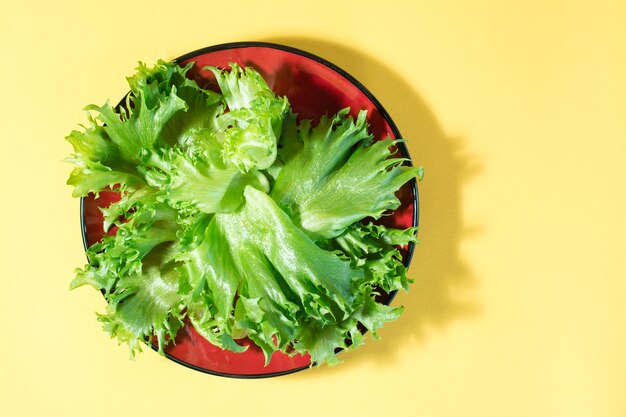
(239, 217)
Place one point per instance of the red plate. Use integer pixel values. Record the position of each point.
(314, 87)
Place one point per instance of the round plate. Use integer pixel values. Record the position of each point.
(314, 87)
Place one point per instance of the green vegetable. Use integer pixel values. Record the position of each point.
(238, 216)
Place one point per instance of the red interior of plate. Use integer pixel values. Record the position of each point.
(313, 89)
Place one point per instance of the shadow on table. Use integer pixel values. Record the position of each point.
(439, 295)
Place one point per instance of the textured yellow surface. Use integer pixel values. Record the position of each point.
(516, 109)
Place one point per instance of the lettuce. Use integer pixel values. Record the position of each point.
(339, 176)
(239, 217)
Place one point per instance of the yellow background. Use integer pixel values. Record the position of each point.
(516, 109)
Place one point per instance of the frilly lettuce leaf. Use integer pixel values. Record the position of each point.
(375, 249)
(138, 275)
(339, 177)
(99, 162)
(244, 87)
(249, 132)
(212, 275)
(147, 303)
(274, 290)
(137, 129)
(200, 181)
(288, 286)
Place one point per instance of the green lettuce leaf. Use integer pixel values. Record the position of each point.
(375, 249)
(137, 272)
(99, 162)
(166, 81)
(289, 286)
(249, 132)
(339, 177)
(147, 303)
(213, 276)
(110, 149)
(200, 181)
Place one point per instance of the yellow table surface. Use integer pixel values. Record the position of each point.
(516, 110)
